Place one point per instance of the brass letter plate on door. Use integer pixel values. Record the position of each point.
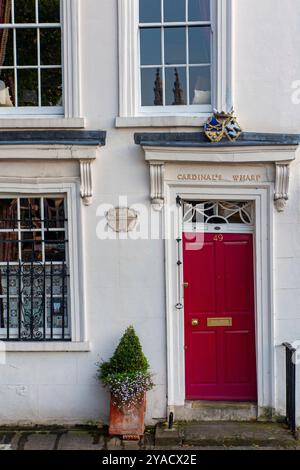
(219, 322)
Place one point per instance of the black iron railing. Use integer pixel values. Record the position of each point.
(291, 387)
(34, 302)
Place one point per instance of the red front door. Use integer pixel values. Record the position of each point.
(219, 318)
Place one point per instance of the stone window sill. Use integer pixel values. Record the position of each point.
(41, 122)
(47, 347)
(162, 121)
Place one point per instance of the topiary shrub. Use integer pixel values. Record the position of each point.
(126, 375)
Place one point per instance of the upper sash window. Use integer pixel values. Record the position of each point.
(176, 54)
(31, 56)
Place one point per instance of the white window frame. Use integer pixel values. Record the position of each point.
(70, 191)
(70, 71)
(129, 64)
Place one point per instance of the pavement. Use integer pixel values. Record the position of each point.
(194, 436)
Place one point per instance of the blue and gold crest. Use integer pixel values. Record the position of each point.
(222, 125)
(214, 129)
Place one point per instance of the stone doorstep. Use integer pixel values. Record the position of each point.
(226, 434)
(211, 411)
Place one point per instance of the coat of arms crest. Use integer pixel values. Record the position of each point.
(222, 124)
(214, 129)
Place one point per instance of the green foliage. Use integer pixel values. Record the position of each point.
(127, 359)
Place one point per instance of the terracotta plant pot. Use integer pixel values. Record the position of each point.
(130, 424)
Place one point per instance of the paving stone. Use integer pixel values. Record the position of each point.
(235, 435)
(75, 440)
(167, 437)
(38, 441)
(131, 445)
(147, 441)
(114, 443)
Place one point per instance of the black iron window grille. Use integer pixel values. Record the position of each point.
(34, 275)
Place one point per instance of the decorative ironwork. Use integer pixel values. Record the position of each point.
(34, 275)
(33, 302)
(219, 212)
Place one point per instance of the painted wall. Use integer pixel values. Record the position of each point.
(125, 279)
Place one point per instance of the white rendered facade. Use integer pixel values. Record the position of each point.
(121, 282)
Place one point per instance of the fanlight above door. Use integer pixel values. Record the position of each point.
(218, 212)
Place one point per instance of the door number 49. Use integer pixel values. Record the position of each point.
(218, 238)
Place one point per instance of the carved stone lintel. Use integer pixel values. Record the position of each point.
(282, 185)
(86, 183)
(157, 185)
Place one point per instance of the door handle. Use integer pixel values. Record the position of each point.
(185, 285)
(195, 322)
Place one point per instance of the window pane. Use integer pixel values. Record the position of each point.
(150, 46)
(199, 10)
(50, 40)
(150, 11)
(30, 210)
(8, 214)
(7, 88)
(152, 87)
(200, 85)
(5, 12)
(28, 87)
(31, 246)
(54, 210)
(9, 247)
(55, 246)
(51, 87)
(6, 47)
(175, 46)
(174, 10)
(25, 11)
(49, 11)
(199, 44)
(27, 47)
(176, 86)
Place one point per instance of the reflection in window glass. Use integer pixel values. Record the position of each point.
(199, 44)
(199, 10)
(49, 11)
(200, 85)
(9, 250)
(51, 87)
(50, 44)
(150, 11)
(176, 58)
(28, 87)
(27, 47)
(30, 210)
(54, 210)
(174, 10)
(150, 46)
(175, 45)
(8, 214)
(152, 87)
(25, 11)
(176, 86)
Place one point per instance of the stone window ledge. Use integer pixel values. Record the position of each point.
(41, 122)
(47, 347)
